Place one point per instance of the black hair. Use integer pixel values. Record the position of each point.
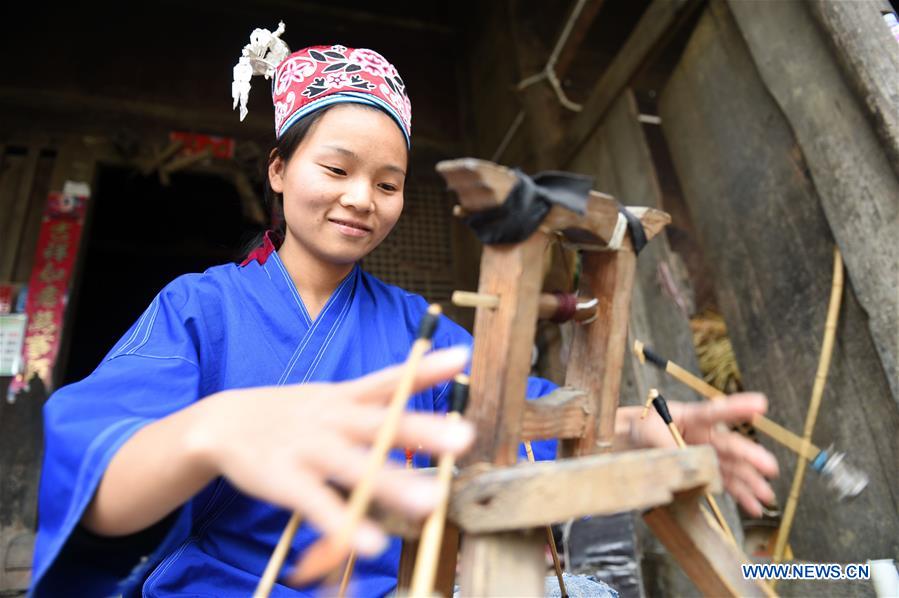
(284, 149)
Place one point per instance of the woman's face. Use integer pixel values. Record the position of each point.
(343, 186)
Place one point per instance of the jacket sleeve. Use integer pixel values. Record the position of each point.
(152, 372)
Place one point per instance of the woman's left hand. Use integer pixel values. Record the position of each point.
(745, 465)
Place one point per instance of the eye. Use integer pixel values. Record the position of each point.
(335, 170)
(389, 187)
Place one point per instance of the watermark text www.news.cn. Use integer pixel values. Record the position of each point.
(806, 571)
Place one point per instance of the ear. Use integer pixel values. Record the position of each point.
(276, 172)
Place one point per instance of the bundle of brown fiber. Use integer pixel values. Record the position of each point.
(715, 353)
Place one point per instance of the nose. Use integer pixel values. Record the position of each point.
(358, 197)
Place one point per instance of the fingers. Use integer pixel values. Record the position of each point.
(347, 464)
(435, 367)
(323, 507)
(744, 496)
(734, 409)
(735, 447)
(433, 433)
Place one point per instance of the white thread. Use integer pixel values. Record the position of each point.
(618, 234)
(587, 304)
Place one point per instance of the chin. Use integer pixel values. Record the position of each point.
(343, 258)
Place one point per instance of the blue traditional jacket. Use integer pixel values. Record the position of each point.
(230, 327)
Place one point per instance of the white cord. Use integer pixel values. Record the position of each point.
(618, 233)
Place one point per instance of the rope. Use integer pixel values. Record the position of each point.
(549, 72)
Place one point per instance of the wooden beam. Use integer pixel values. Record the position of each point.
(560, 414)
(482, 185)
(861, 42)
(653, 29)
(706, 555)
(576, 36)
(538, 494)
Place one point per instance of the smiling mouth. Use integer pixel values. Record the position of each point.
(351, 224)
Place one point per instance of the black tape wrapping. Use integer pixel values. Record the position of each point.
(528, 204)
(635, 227)
(654, 359)
(428, 325)
(459, 397)
(662, 408)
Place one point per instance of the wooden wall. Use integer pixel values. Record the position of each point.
(758, 123)
(779, 133)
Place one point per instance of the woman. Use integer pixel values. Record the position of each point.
(243, 391)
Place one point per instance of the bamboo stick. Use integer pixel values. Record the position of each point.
(830, 327)
(772, 429)
(270, 575)
(328, 552)
(658, 401)
(549, 534)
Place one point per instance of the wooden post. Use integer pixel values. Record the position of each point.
(502, 355)
(503, 564)
(598, 348)
(705, 554)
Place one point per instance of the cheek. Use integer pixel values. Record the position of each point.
(390, 214)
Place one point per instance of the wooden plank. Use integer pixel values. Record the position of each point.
(560, 414)
(19, 213)
(711, 561)
(576, 36)
(502, 348)
(656, 307)
(746, 182)
(598, 348)
(851, 170)
(869, 61)
(538, 494)
(482, 185)
(31, 224)
(505, 564)
(655, 26)
(14, 173)
(446, 567)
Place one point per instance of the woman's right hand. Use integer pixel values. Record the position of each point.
(286, 444)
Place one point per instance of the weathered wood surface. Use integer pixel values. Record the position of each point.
(657, 24)
(560, 414)
(482, 185)
(538, 494)
(708, 557)
(505, 564)
(869, 59)
(598, 348)
(618, 155)
(851, 172)
(502, 349)
(758, 213)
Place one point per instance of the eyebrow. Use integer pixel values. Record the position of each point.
(355, 156)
